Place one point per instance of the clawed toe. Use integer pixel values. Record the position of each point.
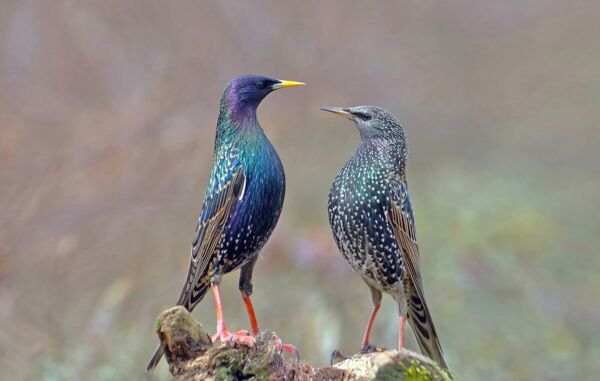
(369, 348)
(289, 348)
(337, 355)
(242, 332)
(242, 337)
(245, 338)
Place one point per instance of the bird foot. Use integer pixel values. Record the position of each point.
(242, 337)
(337, 355)
(369, 348)
(289, 348)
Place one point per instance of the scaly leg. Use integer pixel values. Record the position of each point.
(289, 348)
(251, 314)
(402, 330)
(366, 346)
(246, 290)
(223, 334)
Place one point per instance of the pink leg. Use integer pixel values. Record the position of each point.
(223, 334)
(401, 333)
(289, 348)
(251, 314)
(365, 341)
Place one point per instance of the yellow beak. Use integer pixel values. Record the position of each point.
(283, 83)
(339, 111)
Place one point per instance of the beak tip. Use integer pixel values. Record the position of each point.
(339, 111)
(331, 109)
(284, 83)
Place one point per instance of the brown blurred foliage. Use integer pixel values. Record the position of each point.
(107, 114)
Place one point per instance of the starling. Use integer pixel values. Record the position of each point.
(372, 221)
(242, 204)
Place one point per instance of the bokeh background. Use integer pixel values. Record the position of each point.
(107, 117)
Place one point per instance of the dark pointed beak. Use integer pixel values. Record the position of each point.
(340, 111)
(283, 83)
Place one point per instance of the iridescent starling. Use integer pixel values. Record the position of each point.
(242, 203)
(372, 220)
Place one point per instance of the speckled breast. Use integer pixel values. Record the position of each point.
(360, 228)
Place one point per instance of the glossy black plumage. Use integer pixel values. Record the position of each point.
(242, 201)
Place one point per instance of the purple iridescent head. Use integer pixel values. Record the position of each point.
(244, 93)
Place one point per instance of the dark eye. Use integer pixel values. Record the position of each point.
(363, 115)
(260, 85)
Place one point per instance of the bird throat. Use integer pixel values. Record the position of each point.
(236, 119)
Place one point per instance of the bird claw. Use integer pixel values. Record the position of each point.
(289, 348)
(337, 355)
(243, 332)
(368, 348)
(242, 337)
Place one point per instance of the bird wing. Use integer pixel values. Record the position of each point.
(219, 205)
(217, 209)
(400, 217)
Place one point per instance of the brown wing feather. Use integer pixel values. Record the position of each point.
(209, 232)
(206, 240)
(399, 215)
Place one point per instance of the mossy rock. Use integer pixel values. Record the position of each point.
(410, 368)
(393, 365)
(192, 356)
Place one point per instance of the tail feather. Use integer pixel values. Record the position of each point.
(424, 330)
(194, 296)
(158, 353)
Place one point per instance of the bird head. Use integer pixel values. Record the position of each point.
(372, 121)
(247, 91)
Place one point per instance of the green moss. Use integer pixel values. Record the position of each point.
(260, 363)
(412, 370)
(224, 374)
(229, 363)
(417, 372)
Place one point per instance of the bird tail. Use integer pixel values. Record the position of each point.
(425, 333)
(158, 354)
(194, 296)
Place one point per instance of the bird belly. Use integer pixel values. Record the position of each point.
(366, 241)
(252, 223)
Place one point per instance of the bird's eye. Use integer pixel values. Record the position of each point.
(260, 85)
(363, 115)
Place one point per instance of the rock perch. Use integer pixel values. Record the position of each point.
(192, 356)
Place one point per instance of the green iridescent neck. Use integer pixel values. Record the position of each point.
(236, 119)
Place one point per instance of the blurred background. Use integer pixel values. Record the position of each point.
(107, 121)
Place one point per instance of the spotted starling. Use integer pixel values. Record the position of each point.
(242, 204)
(372, 220)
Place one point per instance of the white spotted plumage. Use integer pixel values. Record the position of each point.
(373, 225)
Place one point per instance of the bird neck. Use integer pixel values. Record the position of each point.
(236, 119)
(390, 154)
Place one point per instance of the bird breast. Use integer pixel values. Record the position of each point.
(257, 212)
(360, 227)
